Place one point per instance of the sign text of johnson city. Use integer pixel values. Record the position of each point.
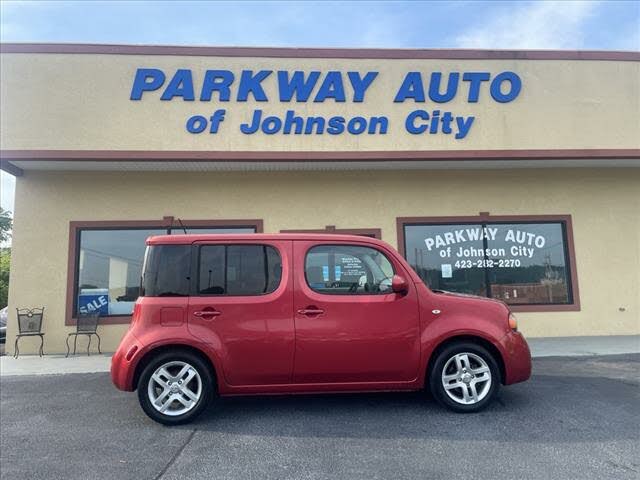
(223, 86)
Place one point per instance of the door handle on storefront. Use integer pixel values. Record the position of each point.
(310, 311)
(207, 314)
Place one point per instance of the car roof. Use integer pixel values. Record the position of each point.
(180, 239)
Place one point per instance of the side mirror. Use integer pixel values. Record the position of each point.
(399, 285)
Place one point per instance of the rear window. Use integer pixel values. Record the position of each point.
(166, 271)
(238, 270)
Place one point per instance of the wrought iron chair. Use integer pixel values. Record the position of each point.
(29, 325)
(87, 325)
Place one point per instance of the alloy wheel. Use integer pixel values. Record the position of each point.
(174, 388)
(466, 378)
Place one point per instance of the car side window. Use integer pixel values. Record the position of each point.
(239, 270)
(348, 270)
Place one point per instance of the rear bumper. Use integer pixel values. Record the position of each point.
(517, 361)
(124, 361)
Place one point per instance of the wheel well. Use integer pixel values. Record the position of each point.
(472, 339)
(144, 361)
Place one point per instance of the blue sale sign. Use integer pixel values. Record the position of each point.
(94, 300)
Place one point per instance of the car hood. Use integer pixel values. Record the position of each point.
(469, 296)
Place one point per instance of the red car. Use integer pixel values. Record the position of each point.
(301, 313)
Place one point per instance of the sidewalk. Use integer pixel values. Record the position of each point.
(580, 346)
(53, 364)
(540, 347)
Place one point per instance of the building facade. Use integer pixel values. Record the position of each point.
(509, 174)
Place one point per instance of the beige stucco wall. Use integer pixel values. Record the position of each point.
(604, 204)
(81, 102)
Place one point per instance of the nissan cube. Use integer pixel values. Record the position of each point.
(249, 314)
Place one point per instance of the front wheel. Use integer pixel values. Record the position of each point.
(175, 387)
(464, 377)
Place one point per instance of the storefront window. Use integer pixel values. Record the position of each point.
(109, 265)
(109, 268)
(521, 263)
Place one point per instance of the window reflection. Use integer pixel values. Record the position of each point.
(520, 263)
(109, 266)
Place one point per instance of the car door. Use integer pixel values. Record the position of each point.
(241, 303)
(346, 331)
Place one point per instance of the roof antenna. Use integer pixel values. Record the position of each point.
(182, 225)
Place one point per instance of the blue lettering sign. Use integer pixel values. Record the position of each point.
(360, 84)
(216, 81)
(496, 87)
(250, 83)
(411, 88)
(146, 80)
(475, 79)
(196, 124)
(316, 86)
(332, 87)
(421, 121)
(434, 87)
(296, 85)
(416, 128)
(181, 85)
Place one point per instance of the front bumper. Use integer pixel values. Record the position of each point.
(517, 361)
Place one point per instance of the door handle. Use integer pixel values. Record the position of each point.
(207, 313)
(310, 311)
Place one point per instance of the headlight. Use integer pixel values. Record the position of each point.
(513, 323)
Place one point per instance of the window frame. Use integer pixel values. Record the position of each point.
(167, 223)
(196, 264)
(306, 280)
(485, 217)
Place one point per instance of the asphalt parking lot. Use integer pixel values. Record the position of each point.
(578, 418)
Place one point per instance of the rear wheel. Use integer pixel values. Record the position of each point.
(175, 387)
(465, 377)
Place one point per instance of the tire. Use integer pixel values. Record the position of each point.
(464, 366)
(181, 384)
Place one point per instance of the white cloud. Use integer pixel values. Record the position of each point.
(533, 25)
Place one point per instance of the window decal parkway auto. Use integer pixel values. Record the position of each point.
(524, 243)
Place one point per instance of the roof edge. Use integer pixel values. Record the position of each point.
(309, 52)
(315, 156)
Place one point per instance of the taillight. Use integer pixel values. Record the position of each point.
(513, 323)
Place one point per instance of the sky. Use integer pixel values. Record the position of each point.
(567, 24)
